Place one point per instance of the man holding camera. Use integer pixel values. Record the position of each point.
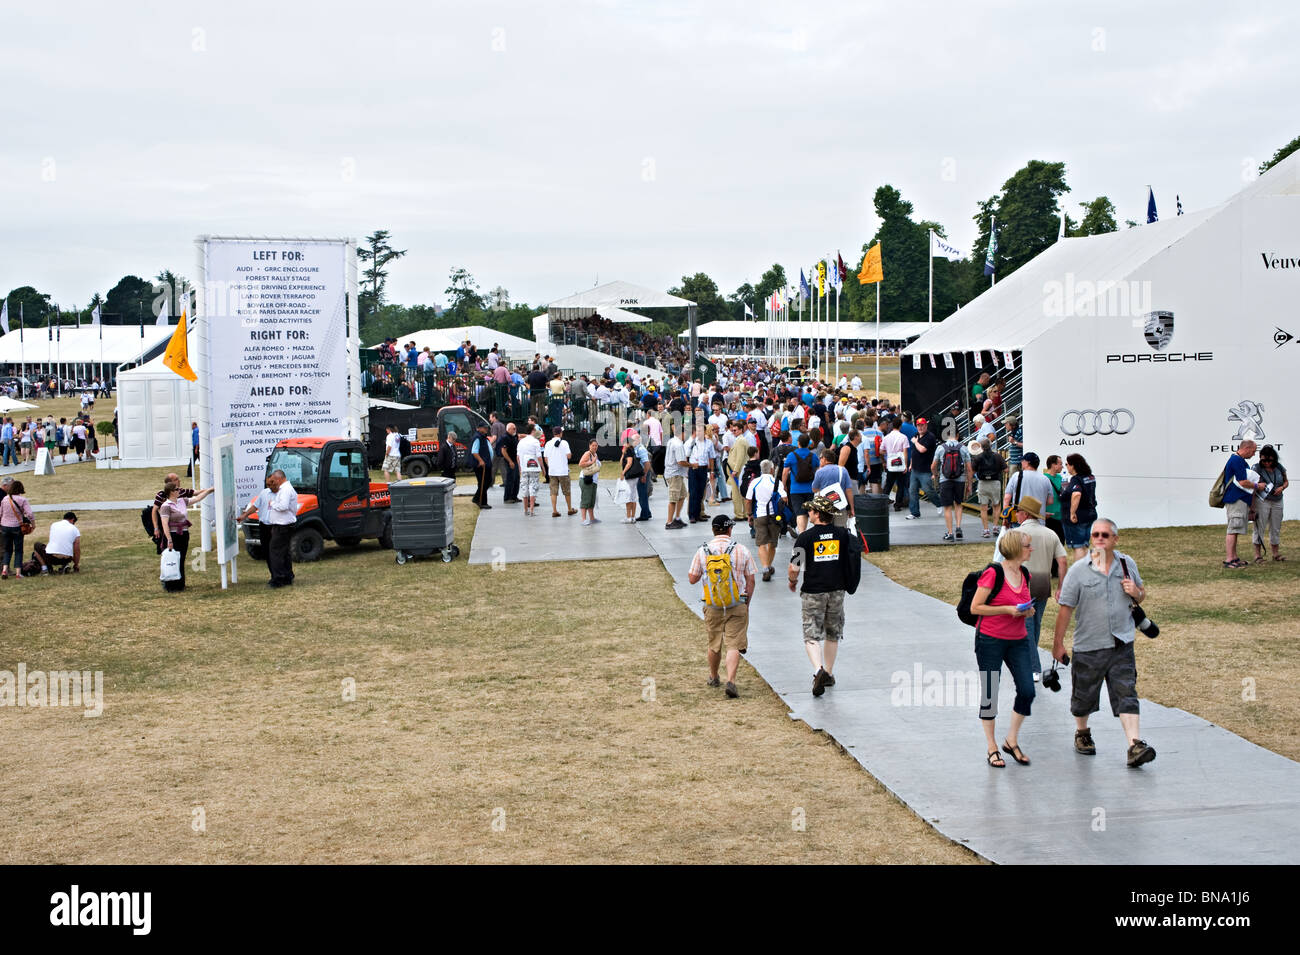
(1105, 589)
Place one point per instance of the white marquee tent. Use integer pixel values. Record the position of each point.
(154, 409)
(449, 339)
(81, 352)
(793, 329)
(610, 297)
(1152, 351)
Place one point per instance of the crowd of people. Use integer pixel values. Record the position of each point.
(626, 341)
(53, 386)
(20, 440)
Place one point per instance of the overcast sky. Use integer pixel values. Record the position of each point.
(543, 145)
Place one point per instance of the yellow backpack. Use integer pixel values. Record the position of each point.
(720, 586)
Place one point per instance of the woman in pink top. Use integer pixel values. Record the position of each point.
(1000, 638)
(14, 509)
(176, 527)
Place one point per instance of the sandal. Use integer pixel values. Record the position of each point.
(1278, 557)
(996, 760)
(1016, 754)
(1234, 564)
(1259, 559)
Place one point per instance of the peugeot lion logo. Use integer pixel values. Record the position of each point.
(1159, 329)
(1249, 417)
(1104, 421)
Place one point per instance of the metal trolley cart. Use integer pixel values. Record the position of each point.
(423, 520)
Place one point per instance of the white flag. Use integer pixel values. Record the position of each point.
(162, 315)
(94, 316)
(932, 364)
(4, 316)
(941, 249)
(995, 358)
(979, 362)
(749, 312)
(1006, 357)
(916, 362)
(947, 360)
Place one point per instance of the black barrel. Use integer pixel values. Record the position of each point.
(873, 519)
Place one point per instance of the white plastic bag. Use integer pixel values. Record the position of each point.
(170, 567)
(624, 494)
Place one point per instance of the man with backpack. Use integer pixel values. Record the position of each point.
(831, 560)
(989, 466)
(952, 471)
(727, 570)
(800, 469)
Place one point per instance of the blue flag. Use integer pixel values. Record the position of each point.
(993, 247)
(1151, 205)
(804, 291)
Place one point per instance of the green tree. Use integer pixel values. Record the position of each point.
(1098, 217)
(1281, 154)
(131, 301)
(745, 295)
(773, 280)
(29, 305)
(466, 303)
(1028, 214)
(703, 291)
(172, 289)
(378, 253)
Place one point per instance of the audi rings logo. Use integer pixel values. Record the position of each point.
(1103, 421)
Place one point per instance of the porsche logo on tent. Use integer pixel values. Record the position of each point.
(1159, 329)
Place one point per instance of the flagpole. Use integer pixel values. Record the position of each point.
(838, 282)
(930, 308)
(878, 338)
(22, 349)
(993, 275)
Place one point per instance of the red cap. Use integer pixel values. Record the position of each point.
(921, 421)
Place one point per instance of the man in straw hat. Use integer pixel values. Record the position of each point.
(831, 559)
(1046, 550)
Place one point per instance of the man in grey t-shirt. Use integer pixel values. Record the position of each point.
(1103, 588)
(1030, 483)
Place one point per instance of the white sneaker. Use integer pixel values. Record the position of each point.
(911, 517)
(1038, 678)
(586, 523)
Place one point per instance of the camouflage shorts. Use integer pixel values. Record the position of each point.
(823, 616)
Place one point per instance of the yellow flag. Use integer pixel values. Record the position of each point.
(821, 279)
(177, 355)
(872, 269)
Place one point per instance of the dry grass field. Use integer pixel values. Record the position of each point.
(519, 697)
(1222, 632)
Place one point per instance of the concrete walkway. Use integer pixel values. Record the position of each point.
(1210, 797)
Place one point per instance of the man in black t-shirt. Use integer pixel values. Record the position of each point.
(537, 380)
(507, 450)
(831, 558)
(923, 446)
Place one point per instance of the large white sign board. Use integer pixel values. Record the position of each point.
(275, 345)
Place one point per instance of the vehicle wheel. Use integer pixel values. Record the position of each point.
(386, 535)
(348, 541)
(255, 551)
(455, 551)
(401, 557)
(417, 468)
(447, 555)
(306, 545)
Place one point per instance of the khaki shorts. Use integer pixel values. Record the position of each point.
(823, 616)
(559, 483)
(1238, 516)
(676, 489)
(729, 626)
(392, 463)
(990, 492)
(766, 533)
